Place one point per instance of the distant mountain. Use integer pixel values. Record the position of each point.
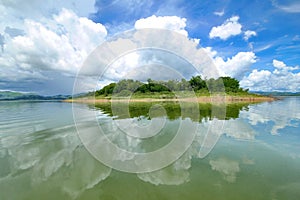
(278, 93)
(10, 95)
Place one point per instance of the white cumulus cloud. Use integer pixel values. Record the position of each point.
(230, 27)
(282, 66)
(236, 66)
(60, 43)
(173, 23)
(279, 64)
(282, 79)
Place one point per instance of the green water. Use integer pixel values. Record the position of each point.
(256, 155)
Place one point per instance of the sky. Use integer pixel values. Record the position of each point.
(43, 44)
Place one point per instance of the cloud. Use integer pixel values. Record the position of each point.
(256, 79)
(219, 13)
(290, 8)
(280, 79)
(60, 43)
(230, 27)
(215, 128)
(172, 23)
(228, 168)
(13, 32)
(296, 38)
(234, 128)
(263, 48)
(236, 66)
(275, 116)
(282, 66)
(120, 68)
(15, 12)
(248, 34)
(1, 42)
(238, 129)
(35, 8)
(279, 64)
(174, 174)
(23, 23)
(210, 52)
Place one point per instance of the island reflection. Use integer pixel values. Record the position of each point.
(173, 110)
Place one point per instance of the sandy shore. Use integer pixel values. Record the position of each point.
(204, 99)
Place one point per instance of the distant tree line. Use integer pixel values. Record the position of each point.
(196, 83)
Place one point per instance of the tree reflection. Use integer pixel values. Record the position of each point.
(173, 110)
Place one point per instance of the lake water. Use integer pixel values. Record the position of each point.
(254, 154)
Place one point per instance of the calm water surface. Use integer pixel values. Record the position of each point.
(257, 154)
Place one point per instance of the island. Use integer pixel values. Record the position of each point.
(202, 90)
(7, 95)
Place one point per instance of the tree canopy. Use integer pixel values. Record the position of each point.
(196, 83)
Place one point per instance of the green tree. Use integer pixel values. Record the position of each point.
(231, 84)
(184, 85)
(197, 83)
(106, 90)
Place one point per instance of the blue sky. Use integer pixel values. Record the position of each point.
(44, 44)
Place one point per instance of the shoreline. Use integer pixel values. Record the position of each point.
(203, 99)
